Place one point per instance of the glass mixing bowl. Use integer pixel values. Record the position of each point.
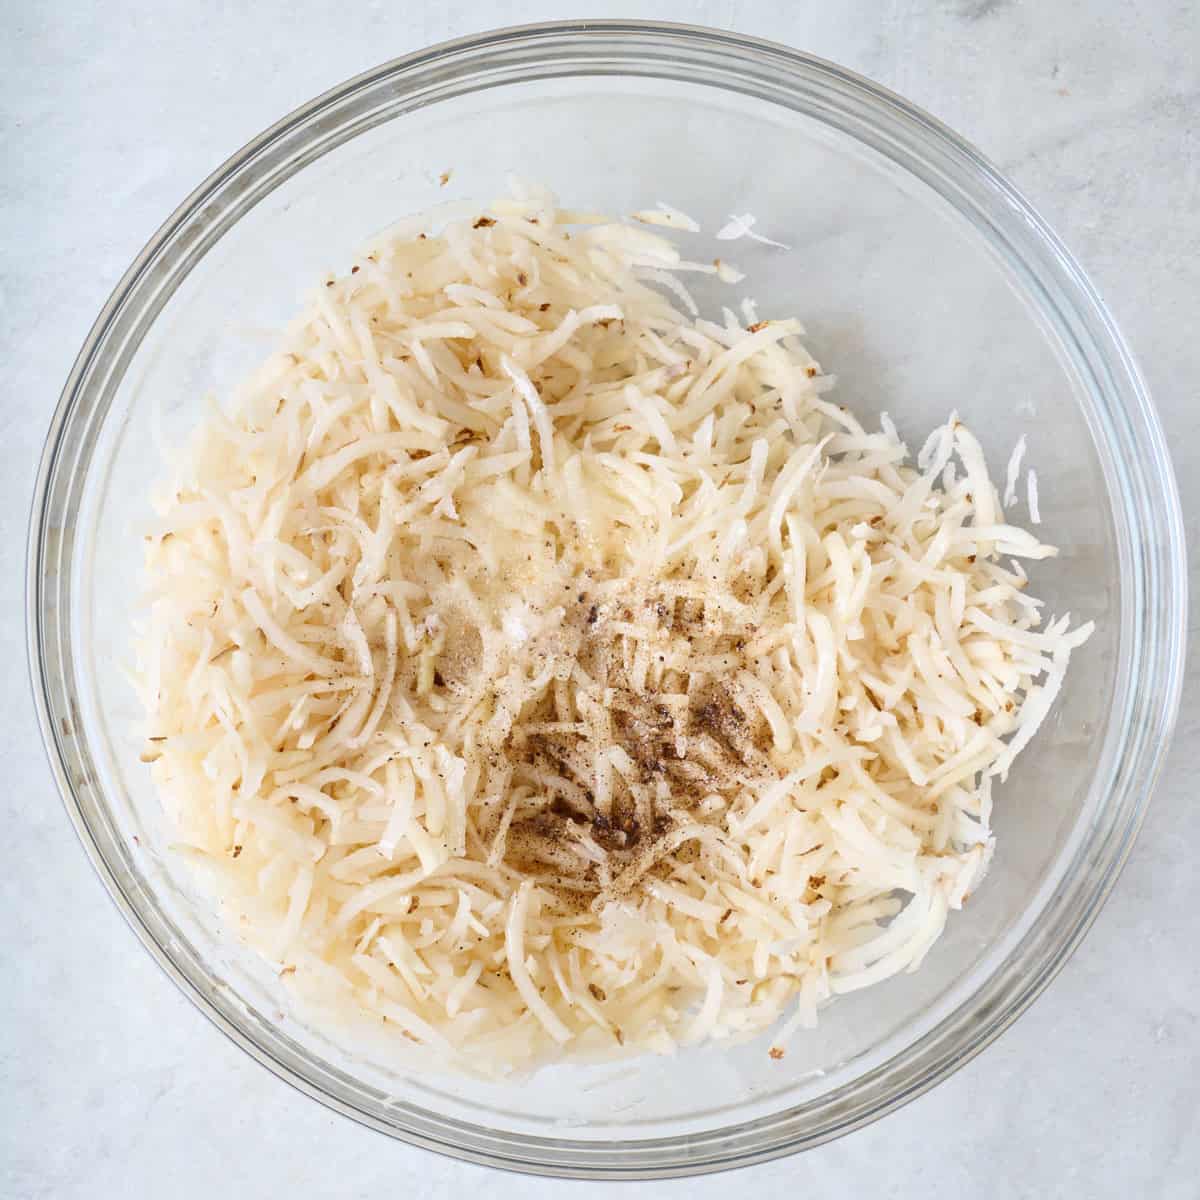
(926, 283)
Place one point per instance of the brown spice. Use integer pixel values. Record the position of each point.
(682, 748)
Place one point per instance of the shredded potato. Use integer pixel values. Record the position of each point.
(548, 672)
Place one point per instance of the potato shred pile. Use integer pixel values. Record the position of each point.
(548, 671)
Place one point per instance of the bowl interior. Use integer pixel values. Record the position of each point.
(907, 301)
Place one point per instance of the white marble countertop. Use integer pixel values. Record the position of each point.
(111, 1084)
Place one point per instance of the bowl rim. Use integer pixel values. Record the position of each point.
(1160, 664)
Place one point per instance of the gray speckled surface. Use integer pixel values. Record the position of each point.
(110, 1083)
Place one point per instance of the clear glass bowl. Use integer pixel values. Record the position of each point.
(926, 282)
